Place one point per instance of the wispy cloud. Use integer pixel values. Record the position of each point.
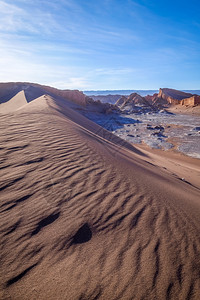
(66, 20)
(114, 71)
(10, 17)
(26, 19)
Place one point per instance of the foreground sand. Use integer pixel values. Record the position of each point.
(86, 216)
(179, 165)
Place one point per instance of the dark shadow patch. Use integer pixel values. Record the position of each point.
(183, 179)
(4, 167)
(149, 163)
(157, 246)
(169, 289)
(20, 276)
(23, 198)
(32, 161)
(83, 235)
(16, 148)
(10, 207)
(45, 222)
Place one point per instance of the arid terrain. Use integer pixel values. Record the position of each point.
(85, 214)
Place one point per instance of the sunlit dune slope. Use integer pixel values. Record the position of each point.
(85, 216)
(15, 103)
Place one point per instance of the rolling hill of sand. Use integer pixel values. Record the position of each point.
(85, 215)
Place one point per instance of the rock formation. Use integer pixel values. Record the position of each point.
(106, 98)
(167, 97)
(173, 96)
(133, 102)
(99, 107)
(192, 101)
(121, 101)
(151, 98)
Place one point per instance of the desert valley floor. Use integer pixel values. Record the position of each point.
(86, 215)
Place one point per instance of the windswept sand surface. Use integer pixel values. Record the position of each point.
(86, 216)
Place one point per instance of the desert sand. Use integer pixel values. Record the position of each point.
(181, 109)
(85, 215)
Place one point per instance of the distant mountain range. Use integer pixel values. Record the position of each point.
(128, 92)
(14, 95)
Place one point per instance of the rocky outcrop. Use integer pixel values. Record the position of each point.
(172, 96)
(167, 97)
(192, 101)
(75, 96)
(151, 98)
(106, 98)
(134, 102)
(137, 99)
(121, 101)
(99, 107)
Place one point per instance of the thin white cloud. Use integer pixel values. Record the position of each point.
(114, 71)
(9, 17)
(29, 19)
(39, 17)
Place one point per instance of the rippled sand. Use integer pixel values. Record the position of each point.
(85, 215)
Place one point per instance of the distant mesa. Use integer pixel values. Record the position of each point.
(176, 97)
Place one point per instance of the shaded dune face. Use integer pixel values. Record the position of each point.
(82, 218)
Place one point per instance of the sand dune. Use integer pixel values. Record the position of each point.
(85, 215)
(14, 103)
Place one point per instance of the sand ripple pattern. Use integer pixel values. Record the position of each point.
(77, 224)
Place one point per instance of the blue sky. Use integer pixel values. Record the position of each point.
(101, 44)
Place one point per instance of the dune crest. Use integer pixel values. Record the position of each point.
(85, 215)
(15, 103)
